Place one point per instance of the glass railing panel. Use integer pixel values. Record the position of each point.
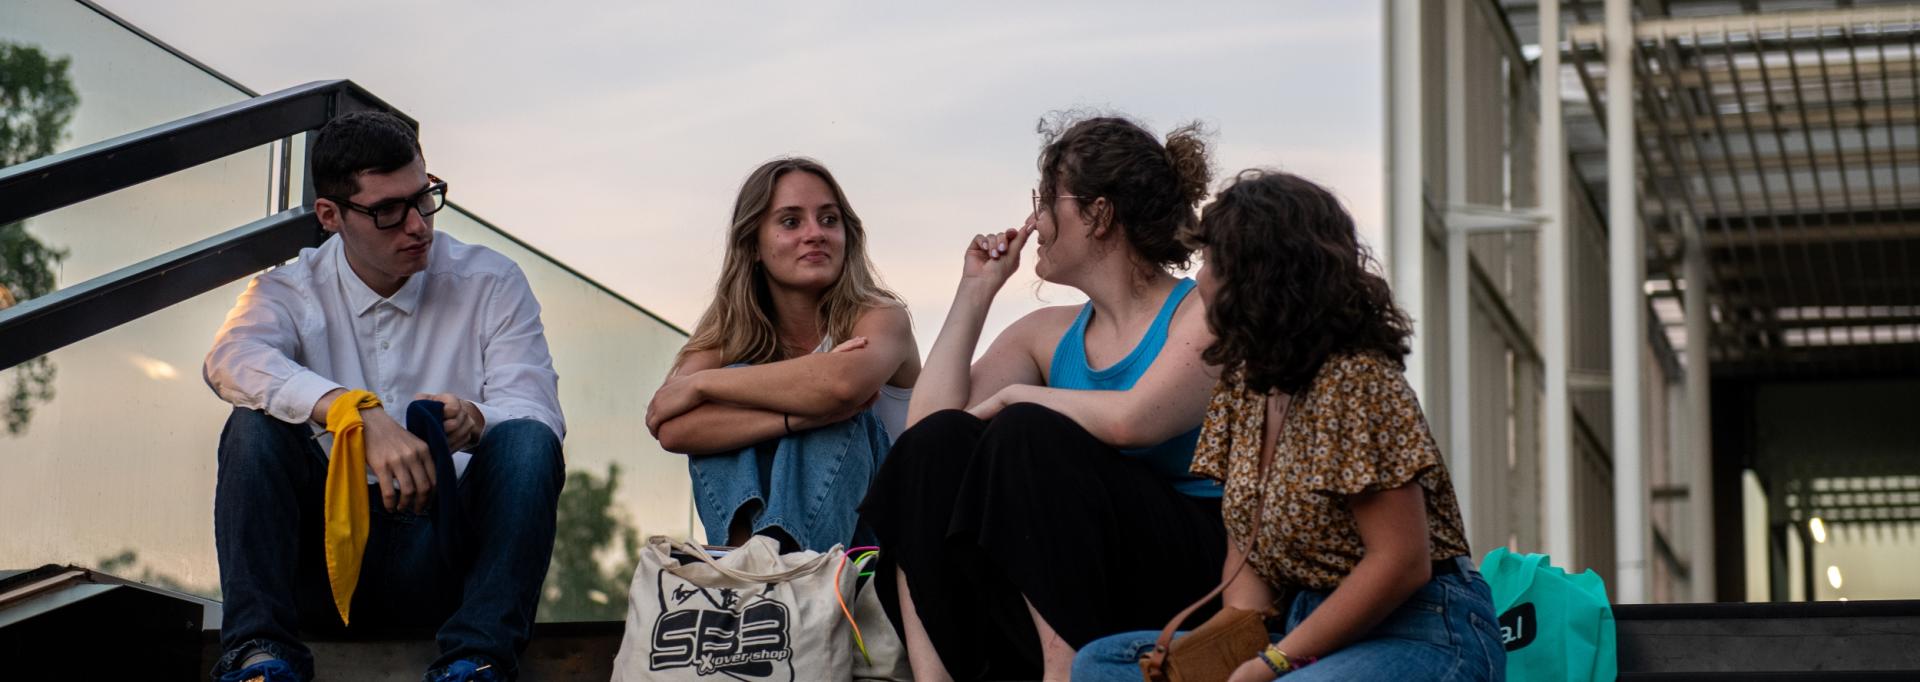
(108, 457)
(115, 468)
(91, 80)
(119, 460)
(610, 356)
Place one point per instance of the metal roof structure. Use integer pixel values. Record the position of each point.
(1788, 134)
(1724, 194)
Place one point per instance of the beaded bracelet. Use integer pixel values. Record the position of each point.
(1276, 660)
(1280, 663)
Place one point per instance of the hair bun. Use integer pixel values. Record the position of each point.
(1187, 148)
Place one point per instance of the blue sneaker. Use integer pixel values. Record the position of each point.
(464, 670)
(270, 670)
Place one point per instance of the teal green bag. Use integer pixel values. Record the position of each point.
(1556, 626)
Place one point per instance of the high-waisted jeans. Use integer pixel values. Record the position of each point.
(808, 484)
(1445, 632)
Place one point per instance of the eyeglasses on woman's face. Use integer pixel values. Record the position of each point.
(1057, 197)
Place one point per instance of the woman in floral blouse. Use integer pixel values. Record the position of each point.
(1335, 490)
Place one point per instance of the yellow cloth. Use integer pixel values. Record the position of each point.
(346, 495)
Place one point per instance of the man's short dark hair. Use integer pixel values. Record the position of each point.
(363, 141)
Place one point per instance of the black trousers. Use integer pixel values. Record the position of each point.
(980, 514)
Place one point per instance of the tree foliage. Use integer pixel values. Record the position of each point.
(594, 551)
(127, 565)
(37, 100)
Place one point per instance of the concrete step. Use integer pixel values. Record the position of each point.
(1701, 642)
(50, 616)
(1865, 640)
(559, 651)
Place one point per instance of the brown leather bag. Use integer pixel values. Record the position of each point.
(1211, 652)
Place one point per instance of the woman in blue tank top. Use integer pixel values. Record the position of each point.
(1038, 489)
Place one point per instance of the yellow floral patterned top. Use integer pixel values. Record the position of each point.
(1357, 429)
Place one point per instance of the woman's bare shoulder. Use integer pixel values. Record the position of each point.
(1048, 323)
(890, 316)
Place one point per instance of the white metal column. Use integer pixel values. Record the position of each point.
(1627, 304)
(1406, 207)
(1460, 407)
(1554, 300)
(1554, 268)
(1699, 421)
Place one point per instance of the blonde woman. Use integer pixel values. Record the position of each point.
(785, 398)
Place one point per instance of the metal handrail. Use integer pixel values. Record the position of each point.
(47, 323)
(53, 182)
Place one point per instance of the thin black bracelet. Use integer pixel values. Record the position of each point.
(783, 422)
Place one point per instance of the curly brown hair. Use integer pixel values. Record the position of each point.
(1153, 188)
(1296, 285)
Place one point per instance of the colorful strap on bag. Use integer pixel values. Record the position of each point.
(861, 555)
(346, 496)
(860, 564)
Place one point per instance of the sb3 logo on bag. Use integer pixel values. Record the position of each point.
(1518, 626)
(717, 630)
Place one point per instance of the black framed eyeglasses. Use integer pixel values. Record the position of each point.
(1036, 199)
(390, 214)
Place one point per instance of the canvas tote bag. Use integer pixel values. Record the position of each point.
(752, 614)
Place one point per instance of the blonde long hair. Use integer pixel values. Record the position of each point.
(740, 321)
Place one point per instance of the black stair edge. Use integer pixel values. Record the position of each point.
(15, 578)
(1891, 608)
(1823, 676)
(555, 630)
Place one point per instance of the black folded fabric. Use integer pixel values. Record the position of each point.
(450, 529)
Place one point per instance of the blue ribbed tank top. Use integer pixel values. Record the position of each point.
(1171, 458)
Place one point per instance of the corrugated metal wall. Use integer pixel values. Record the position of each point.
(1497, 142)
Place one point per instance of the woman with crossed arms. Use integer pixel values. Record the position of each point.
(783, 436)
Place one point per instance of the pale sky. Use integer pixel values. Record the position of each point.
(614, 136)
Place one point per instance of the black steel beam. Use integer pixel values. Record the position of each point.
(47, 323)
(53, 182)
(68, 178)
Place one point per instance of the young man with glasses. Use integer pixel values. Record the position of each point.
(385, 312)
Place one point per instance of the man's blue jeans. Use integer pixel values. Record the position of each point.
(1446, 631)
(268, 528)
(808, 484)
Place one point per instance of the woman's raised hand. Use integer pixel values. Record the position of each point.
(992, 258)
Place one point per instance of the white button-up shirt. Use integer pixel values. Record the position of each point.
(467, 325)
